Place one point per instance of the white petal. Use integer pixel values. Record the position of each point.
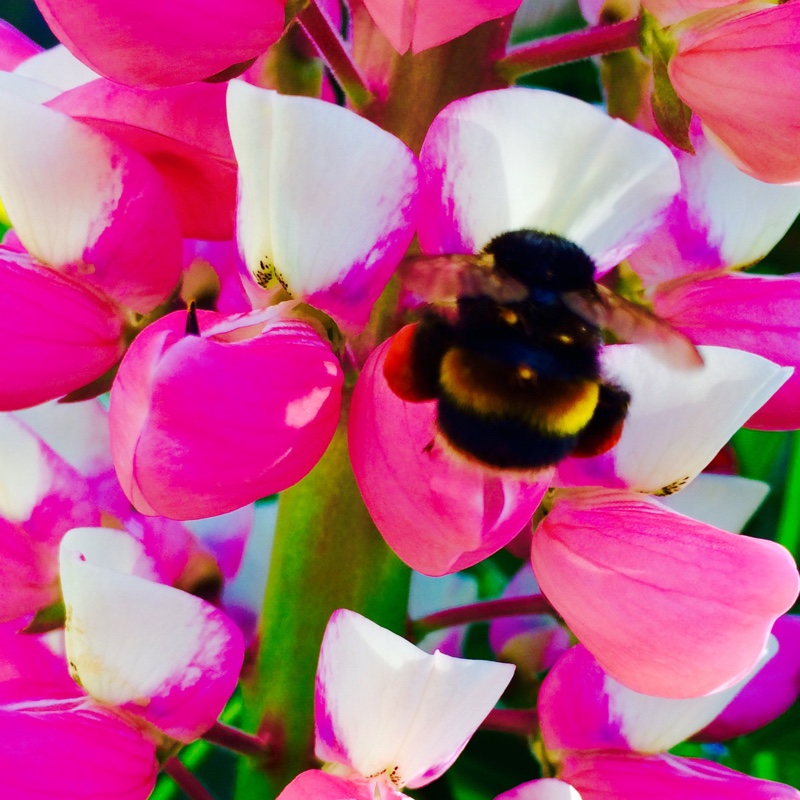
(724, 501)
(679, 419)
(724, 217)
(110, 549)
(56, 180)
(128, 639)
(384, 706)
(655, 724)
(319, 186)
(746, 218)
(27, 88)
(524, 158)
(57, 67)
(25, 473)
(78, 432)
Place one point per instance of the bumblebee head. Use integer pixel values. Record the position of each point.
(542, 261)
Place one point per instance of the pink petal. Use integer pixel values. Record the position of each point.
(15, 46)
(152, 44)
(238, 291)
(154, 651)
(420, 24)
(88, 753)
(600, 557)
(178, 448)
(318, 785)
(438, 514)
(756, 313)
(182, 131)
(725, 73)
(51, 319)
(27, 657)
(621, 776)
(88, 206)
(327, 199)
(766, 696)
(226, 536)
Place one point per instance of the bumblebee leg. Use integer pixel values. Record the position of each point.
(605, 426)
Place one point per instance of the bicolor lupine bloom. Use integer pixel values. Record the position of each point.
(722, 221)
(57, 474)
(213, 212)
(389, 715)
(152, 664)
(607, 741)
(491, 163)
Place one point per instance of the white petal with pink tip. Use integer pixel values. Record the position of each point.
(160, 653)
(522, 158)
(722, 218)
(326, 198)
(679, 419)
(656, 724)
(384, 706)
(81, 202)
(67, 166)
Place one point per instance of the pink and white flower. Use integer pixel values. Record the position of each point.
(327, 200)
(389, 715)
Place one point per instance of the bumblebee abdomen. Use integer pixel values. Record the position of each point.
(493, 390)
(501, 442)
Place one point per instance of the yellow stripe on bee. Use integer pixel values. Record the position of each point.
(573, 415)
(558, 407)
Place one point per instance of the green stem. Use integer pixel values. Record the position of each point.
(327, 555)
(482, 612)
(568, 47)
(789, 523)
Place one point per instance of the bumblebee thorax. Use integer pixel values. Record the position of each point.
(543, 262)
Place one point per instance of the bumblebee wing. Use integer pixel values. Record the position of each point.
(632, 323)
(445, 278)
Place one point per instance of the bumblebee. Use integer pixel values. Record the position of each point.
(512, 357)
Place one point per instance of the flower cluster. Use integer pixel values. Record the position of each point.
(491, 334)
